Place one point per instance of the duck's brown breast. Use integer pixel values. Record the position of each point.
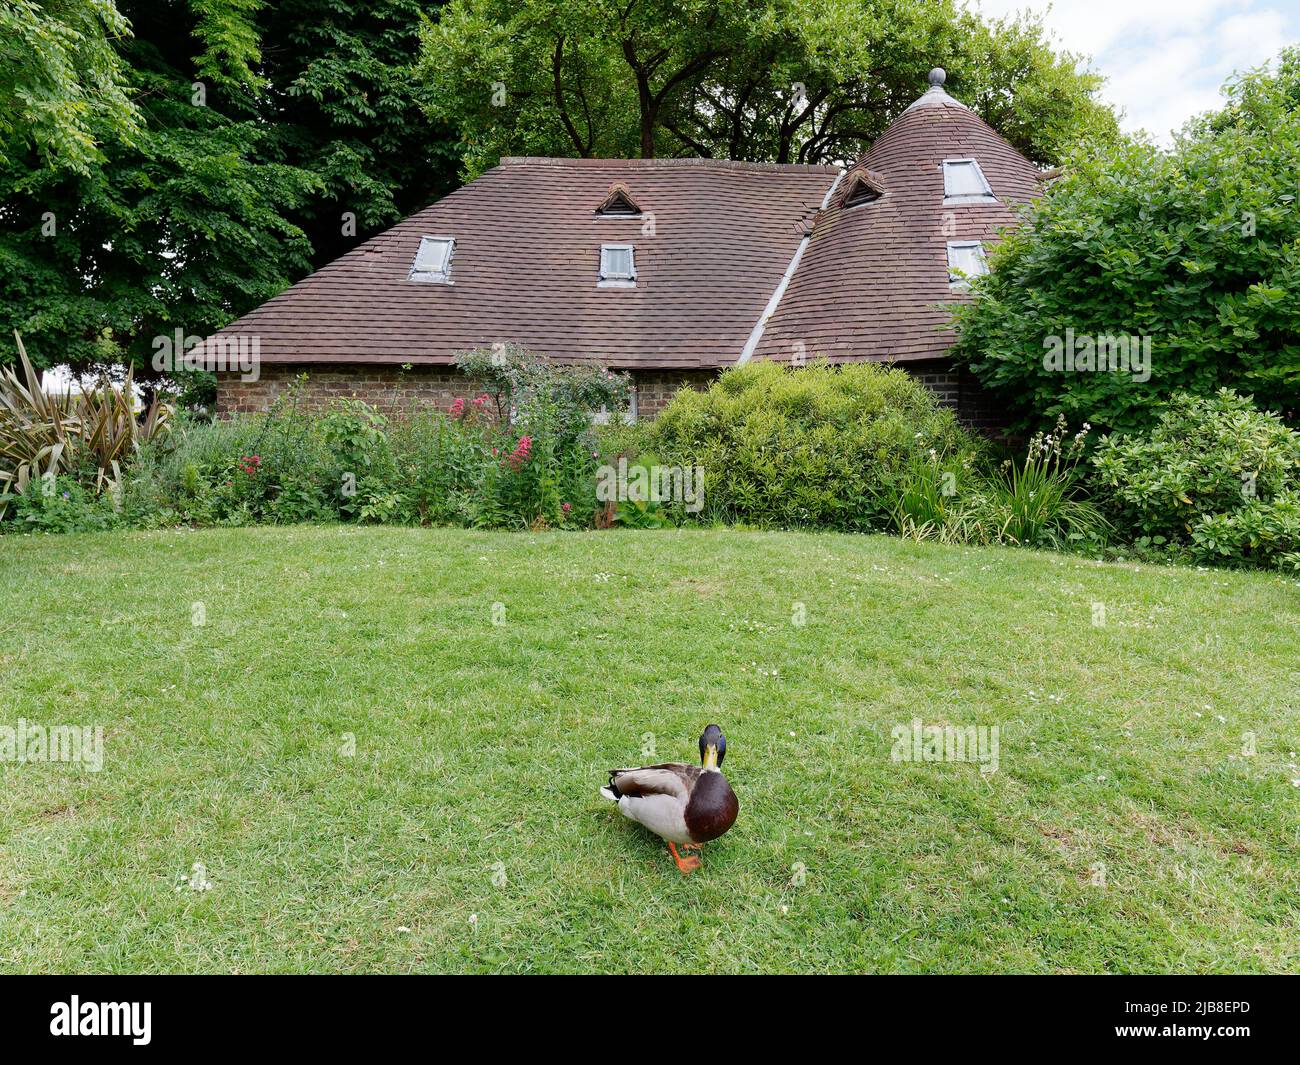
(712, 808)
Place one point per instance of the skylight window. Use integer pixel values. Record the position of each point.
(433, 260)
(964, 182)
(617, 266)
(965, 260)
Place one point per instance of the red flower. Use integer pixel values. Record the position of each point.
(458, 408)
(566, 507)
(521, 453)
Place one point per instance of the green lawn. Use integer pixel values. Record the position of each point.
(466, 832)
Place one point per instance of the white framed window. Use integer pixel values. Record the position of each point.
(433, 260)
(601, 417)
(964, 182)
(965, 260)
(617, 266)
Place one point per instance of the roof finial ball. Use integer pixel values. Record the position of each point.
(937, 77)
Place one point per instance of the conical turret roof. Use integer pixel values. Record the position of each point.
(874, 279)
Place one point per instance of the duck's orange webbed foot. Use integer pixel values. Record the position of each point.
(686, 865)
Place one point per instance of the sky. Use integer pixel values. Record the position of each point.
(1164, 60)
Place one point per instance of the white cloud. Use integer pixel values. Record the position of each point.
(1164, 60)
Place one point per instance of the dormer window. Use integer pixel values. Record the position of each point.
(862, 189)
(964, 182)
(433, 260)
(965, 260)
(617, 266)
(619, 203)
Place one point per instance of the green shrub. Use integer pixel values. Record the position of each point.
(60, 504)
(526, 387)
(1215, 475)
(351, 463)
(441, 460)
(813, 446)
(1196, 248)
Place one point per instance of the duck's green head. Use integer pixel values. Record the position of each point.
(713, 747)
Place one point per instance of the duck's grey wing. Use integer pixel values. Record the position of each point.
(667, 778)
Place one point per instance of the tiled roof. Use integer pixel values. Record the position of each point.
(874, 279)
(871, 282)
(525, 265)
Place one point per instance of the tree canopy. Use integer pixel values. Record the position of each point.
(1196, 248)
(62, 86)
(247, 144)
(805, 81)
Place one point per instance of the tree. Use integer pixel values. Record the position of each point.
(780, 80)
(1190, 257)
(343, 104)
(269, 139)
(62, 86)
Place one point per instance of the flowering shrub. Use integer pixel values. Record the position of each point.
(465, 467)
(1036, 501)
(529, 389)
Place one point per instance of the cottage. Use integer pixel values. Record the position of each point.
(670, 269)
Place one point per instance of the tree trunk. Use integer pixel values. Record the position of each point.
(649, 116)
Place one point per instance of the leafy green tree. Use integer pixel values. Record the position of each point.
(1196, 248)
(780, 80)
(269, 139)
(62, 86)
(345, 106)
(179, 227)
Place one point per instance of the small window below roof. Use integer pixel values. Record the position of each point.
(964, 182)
(617, 266)
(433, 260)
(965, 260)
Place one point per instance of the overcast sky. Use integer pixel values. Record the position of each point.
(1164, 60)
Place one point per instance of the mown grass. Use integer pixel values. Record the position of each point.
(465, 833)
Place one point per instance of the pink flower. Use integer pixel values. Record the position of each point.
(521, 453)
(566, 507)
(458, 408)
(480, 400)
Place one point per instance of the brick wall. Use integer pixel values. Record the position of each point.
(655, 388)
(957, 388)
(394, 390)
(390, 388)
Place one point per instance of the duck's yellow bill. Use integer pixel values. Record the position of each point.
(711, 757)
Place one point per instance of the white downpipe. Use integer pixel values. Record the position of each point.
(756, 334)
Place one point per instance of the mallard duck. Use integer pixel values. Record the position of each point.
(684, 804)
